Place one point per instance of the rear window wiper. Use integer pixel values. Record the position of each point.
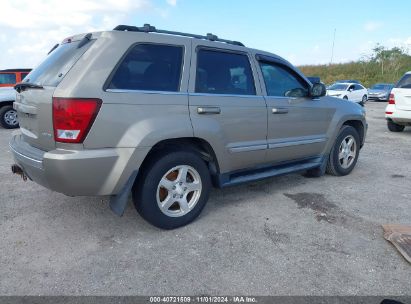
(23, 85)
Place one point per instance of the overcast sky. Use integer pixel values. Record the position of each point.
(301, 31)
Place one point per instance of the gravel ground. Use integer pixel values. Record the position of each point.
(287, 235)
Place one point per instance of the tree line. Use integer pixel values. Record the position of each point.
(382, 65)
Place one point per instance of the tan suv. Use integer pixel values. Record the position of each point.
(166, 115)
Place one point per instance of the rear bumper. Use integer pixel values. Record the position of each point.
(397, 115)
(79, 172)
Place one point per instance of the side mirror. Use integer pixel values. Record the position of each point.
(318, 90)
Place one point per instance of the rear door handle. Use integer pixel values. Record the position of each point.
(208, 110)
(279, 110)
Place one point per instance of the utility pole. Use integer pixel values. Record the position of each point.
(332, 49)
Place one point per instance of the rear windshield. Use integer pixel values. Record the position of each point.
(405, 82)
(56, 65)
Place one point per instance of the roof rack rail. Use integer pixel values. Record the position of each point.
(147, 28)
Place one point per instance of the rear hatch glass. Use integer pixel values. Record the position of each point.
(52, 70)
(402, 93)
(34, 106)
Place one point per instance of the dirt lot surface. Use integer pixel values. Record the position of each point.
(287, 235)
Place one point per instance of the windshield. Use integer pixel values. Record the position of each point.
(56, 65)
(381, 87)
(338, 87)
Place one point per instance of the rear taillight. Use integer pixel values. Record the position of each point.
(392, 99)
(73, 118)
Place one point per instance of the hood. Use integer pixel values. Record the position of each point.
(333, 93)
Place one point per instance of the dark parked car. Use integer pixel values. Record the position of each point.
(314, 79)
(380, 91)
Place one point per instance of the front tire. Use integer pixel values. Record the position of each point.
(8, 117)
(393, 127)
(345, 98)
(345, 152)
(173, 189)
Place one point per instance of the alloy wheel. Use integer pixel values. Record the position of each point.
(347, 152)
(179, 190)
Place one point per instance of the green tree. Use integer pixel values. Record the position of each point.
(387, 57)
(382, 65)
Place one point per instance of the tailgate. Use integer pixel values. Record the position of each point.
(402, 93)
(34, 101)
(34, 109)
(402, 99)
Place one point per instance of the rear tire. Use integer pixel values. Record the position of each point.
(364, 99)
(8, 117)
(344, 154)
(162, 194)
(345, 97)
(393, 127)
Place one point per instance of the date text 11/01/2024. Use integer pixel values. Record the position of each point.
(203, 299)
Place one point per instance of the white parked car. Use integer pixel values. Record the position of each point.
(398, 110)
(350, 91)
(8, 115)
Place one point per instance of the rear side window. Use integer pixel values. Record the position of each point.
(358, 87)
(7, 78)
(150, 67)
(405, 82)
(281, 81)
(56, 65)
(223, 73)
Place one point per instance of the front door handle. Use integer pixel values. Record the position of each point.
(208, 110)
(279, 110)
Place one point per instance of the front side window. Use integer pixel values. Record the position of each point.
(7, 78)
(281, 81)
(358, 87)
(405, 82)
(223, 73)
(149, 67)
